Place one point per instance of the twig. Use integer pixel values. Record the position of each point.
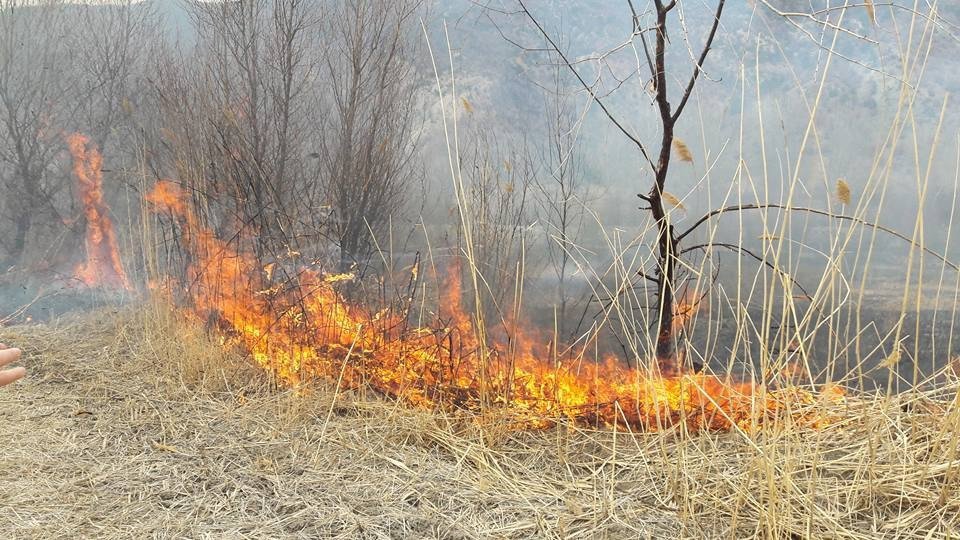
(744, 251)
(699, 67)
(860, 221)
(586, 86)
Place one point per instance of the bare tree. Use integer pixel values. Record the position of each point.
(295, 122)
(110, 42)
(35, 87)
(562, 194)
(652, 26)
(251, 92)
(371, 136)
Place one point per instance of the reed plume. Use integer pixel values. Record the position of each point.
(682, 150)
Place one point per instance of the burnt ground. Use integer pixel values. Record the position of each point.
(22, 300)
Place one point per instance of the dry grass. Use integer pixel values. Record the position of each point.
(133, 424)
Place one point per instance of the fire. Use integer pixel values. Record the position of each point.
(103, 266)
(308, 331)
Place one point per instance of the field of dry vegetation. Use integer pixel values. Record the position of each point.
(300, 274)
(133, 424)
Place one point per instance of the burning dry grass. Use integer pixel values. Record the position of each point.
(136, 425)
(302, 329)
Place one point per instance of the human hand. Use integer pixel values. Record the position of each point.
(9, 356)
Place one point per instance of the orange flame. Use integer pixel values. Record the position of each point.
(103, 266)
(310, 332)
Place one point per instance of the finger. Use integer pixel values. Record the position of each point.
(2, 346)
(8, 356)
(8, 376)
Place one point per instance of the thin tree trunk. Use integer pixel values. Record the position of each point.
(667, 244)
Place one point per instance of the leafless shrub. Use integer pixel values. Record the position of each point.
(371, 134)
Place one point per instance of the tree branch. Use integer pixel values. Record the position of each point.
(703, 56)
(741, 207)
(643, 40)
(744, 251)
(586, 86)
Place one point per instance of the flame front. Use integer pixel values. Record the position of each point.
(308, 331)
(103, 266)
